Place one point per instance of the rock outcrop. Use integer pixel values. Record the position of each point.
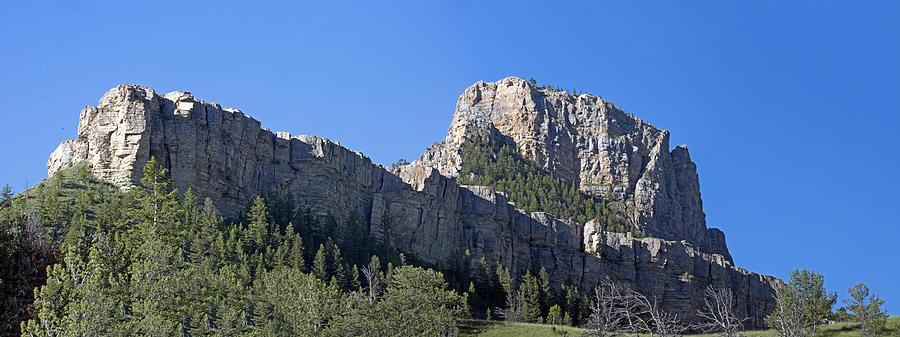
(225, 155)
(589, 141)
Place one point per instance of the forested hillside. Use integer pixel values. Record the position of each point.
(82, 257)
(487, 162)
(154, 262)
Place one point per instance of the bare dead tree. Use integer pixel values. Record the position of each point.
(633, 312)
(513, 310)
(617, 309)
(370, 272)
(608, 314)
(658, 322)
(717, 314)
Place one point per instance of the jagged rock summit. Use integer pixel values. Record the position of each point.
(587, 140)
(227, 156)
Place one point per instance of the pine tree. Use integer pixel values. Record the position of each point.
(531, 296)
(204, 248)
(866, 310)
(504, 279)
(5, 194)
(258, 230)
(158, 204)
(290, 250)
(336, 265)
(354, 279)
(801, 304)
(158, 255)
(815, 301)
(320, 269)
(544, 281)
(575, 304)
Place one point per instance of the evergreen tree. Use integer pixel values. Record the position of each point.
(157, 292)
(504, 279)
(282, 208)
(416, 303)
(190, 211)
(290, 251)
(301, 305)
(335, 265)
(815, 301)
(354, 279)
(206, 241)
(320, 269)
(801, 304)
(258, 230)
(576, 304)
(5, 194)
(544, 281)
(866, 310)
(531, 296)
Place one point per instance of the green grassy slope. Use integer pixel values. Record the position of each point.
(496, 329)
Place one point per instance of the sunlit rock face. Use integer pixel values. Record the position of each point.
(225, 155)
(588, 140)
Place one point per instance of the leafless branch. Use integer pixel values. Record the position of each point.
(617, 309)
(717, 314)
(608, 313)
(370, 272)
(658, 321)
(513, 310)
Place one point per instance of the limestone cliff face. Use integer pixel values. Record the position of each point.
(588, 140)
(225, 155)
(218, 152)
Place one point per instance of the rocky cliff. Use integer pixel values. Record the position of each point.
(225, 155)
(589, 141)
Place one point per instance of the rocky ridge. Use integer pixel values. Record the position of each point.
(587, 140)
(223, 154)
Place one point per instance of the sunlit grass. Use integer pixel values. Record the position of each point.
(496, 329)
(483, 328)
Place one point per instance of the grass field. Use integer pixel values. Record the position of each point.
(496, 329)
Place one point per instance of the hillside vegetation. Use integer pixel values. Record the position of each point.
(488, 163)
(82, 258)
(78, 256)
(477, 328)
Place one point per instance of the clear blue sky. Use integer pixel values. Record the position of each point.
(790, 110)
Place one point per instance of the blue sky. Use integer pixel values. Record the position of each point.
(791, 111)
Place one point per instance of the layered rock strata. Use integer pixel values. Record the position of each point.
(587, 140)
(225, 155)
